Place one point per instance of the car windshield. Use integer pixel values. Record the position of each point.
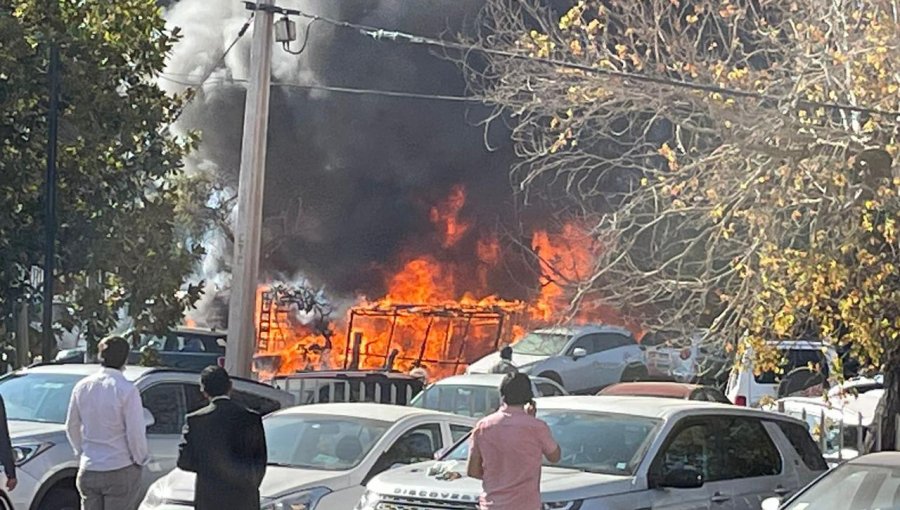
(795, 358)
(327, 443)
(38, 397)
(477, 401)
(594, 442)
(853, 487)
(540, 344)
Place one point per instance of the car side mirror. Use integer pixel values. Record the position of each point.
(578, 352)
(684, 478)
(149, 420)
(771, 504)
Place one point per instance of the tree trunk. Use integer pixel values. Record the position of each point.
(888, 407)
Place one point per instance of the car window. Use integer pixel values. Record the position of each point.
(38, 397)
(540, 344)
(548, 389)
(803, 444)
(795, 358)
(166, 402)
(415, 445)
(587, 342)
(474, 401)
(721, 448)
(458, 432)
(748, 450)
(606, 341)
(258, 403)
(328, 443)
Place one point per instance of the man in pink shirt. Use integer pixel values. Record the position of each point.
(508, 447)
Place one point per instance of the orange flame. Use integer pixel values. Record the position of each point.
(429, 319)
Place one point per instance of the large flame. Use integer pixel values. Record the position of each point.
(428, 316)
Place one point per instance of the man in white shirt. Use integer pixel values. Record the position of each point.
(105, 426)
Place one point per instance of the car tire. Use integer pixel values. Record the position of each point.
(553, 376)
(634, 374)
(61, 499)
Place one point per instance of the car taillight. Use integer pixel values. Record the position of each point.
(685, 353)
(221, 361)
(740, 401)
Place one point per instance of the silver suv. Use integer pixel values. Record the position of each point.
(581, 359)
(633, 453)
(37, 399)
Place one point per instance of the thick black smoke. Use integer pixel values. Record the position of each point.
(350, 179)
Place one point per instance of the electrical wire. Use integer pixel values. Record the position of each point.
(343, 90)
(381, 34)
(192, 93)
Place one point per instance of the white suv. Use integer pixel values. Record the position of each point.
(747, 388)
(582, 359)
(628, 453)
(37, 399)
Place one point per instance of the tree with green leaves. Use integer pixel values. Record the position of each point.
(733, 158)
(125, 242)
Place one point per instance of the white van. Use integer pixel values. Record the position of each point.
(747, 388)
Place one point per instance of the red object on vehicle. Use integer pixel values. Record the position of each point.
(740, 401)
(685, 353)
(221, 361)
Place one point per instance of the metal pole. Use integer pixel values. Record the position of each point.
(49, 339)
(245, 268)
(23, 342)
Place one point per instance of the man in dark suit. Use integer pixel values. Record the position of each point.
(225, 445)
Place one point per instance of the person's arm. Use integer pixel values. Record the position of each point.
(135, 428)
(186, 451)
(475, 467)
(6, 453)
(549, 446)
(73, 424)
(258, 454)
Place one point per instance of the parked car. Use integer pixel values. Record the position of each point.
(580, 359)
(627, 453)
(322, 455)
(184, 348)
(381, 387)
(857, 386)
(870, 482)
(684, 358)
(37, 399)
(748, 388)
(840, 424)
(475, 395)
(666, 390)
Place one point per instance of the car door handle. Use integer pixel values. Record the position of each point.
(781, 491)
(720, 498)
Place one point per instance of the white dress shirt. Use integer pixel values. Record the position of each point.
(105, 423)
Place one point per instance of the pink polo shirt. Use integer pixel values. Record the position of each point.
(512, 444)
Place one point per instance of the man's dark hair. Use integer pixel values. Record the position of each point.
(506, 353)
(113, 352)
(215, 381)
(516, 389)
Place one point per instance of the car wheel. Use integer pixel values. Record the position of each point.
(634, 374)
(553, 376)
(61, 499)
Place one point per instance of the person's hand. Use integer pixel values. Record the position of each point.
(11, 484)
(531, 408)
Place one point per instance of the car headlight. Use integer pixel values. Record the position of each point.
(306, 499)
(24, 452)
(368, 501)
(562, 505)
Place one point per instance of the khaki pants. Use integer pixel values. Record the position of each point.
(110, 490)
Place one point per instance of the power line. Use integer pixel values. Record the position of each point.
(404, 37)
(192, 93)
(343, 90)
